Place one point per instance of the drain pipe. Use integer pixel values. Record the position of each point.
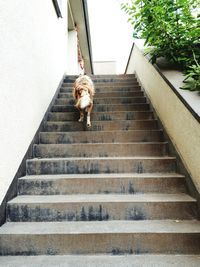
(86, 18)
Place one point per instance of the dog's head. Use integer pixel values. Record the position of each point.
(82, 96)
(81, 90)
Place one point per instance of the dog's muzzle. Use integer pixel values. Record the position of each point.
(85, 101)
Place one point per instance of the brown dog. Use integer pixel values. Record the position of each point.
(83, 92)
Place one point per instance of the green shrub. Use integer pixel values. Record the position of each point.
(192, 79)
(171, 27)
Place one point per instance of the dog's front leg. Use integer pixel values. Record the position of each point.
(81, 115)
(88, 120)
(89, 109)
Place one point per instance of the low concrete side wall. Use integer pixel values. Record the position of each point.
(180, 124)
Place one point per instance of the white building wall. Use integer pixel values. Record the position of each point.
(105, 67)
(33, 59)
(72, 53)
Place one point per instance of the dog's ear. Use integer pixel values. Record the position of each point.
(91, 90)
(74, 93)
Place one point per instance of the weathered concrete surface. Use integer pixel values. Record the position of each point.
(101, 137)
(112, 189)
(109, 116)
(99, 94)
(102, 125)
(115, 237)
(108, 101)
(104, 107)
(100, 165)
(126, 183)
(100, 150)
(102, 261)
(109, 89)
(97, 207)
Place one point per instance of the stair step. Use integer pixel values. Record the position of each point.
(101, 137)
(105, 79)
(67, 95)
(100, 165)
(101, 207)
(135, 88)
(100, 150)
(122, 183)
(115, 237)
(104, 76)
(105, 101)
(108, 189)
(102, 82)
(117, 115)
(114, 260)
(125, 125)
(104, 108)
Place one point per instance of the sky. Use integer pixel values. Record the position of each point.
(111, 34)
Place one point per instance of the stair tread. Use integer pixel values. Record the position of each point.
(102, 175)
(117, 105)
(65, 193)
(145, 260)
(106, 131)
(103, 112)
(110, 98)
(105, 144)
(100, 158)
(109, 122)
(103, 198)
(102, 227)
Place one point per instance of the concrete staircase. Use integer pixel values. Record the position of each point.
(106, 196)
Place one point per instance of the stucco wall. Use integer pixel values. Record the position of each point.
(105, 67)
(180, 124)
(33, 47)
(74, 67)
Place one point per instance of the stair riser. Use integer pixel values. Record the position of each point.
(104, 108)
(99, 150)
(104, 76)
(107, 94)
(101, 137)
(101, 126)
(116, 244)
(74, 116)
(118, 83)
(101, 186)
(86, 166)
(108, 89)
(93, 211)
(106, 80)
(106, 101)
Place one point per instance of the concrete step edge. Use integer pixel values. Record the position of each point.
(103, 144)
(109, 122)
(104, 176)
(106, 131)
(102, 158)
(102, 227)
(103, 198)
(103, 112)
(102, 260)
